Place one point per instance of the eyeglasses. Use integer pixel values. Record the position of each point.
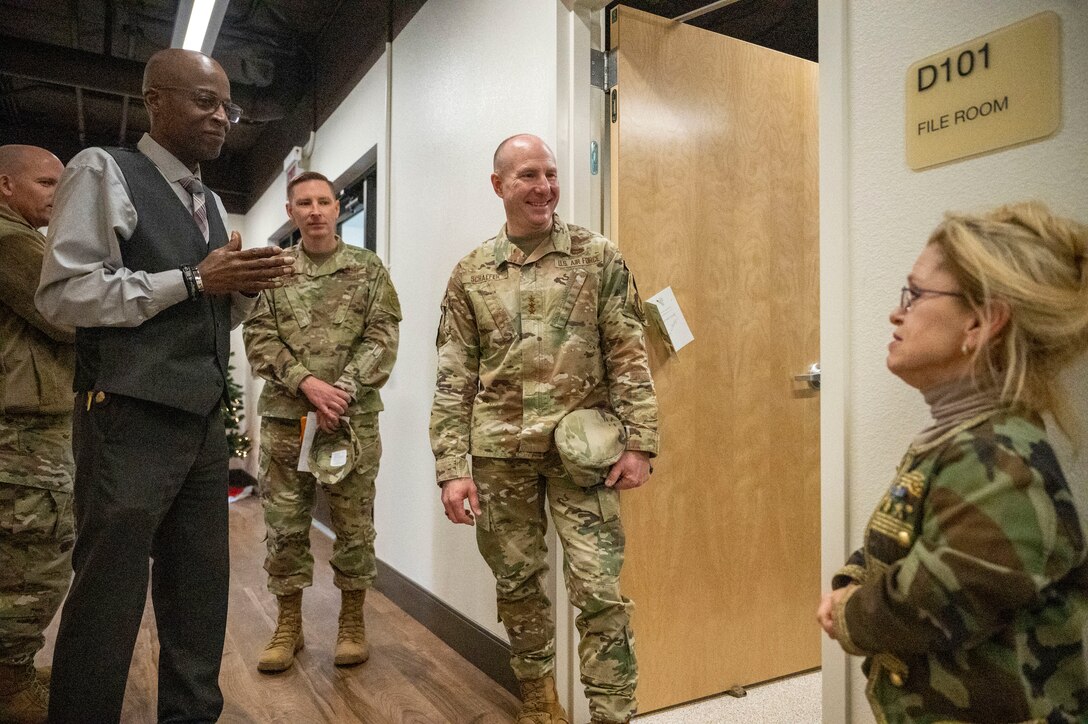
(207, 102)
(909, 295)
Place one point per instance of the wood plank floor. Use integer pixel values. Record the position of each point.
(411, 677)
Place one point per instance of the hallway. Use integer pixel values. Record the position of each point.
(411, 677)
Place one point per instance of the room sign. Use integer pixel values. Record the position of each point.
(995, 91)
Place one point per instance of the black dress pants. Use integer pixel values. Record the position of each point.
(150, 485)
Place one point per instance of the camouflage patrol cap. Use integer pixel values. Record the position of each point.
(589, 442)
(333, 454)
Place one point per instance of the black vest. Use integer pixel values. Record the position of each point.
(179, 357)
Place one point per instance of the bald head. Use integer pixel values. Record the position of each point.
(176, 66)
(510, 147)
(184, 92)
(15, 158)
(527, 181)
(28, 179)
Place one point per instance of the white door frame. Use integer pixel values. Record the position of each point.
(834, 310)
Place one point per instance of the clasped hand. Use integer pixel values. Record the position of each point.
(329, 401)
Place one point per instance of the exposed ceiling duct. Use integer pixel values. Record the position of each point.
(71, 70)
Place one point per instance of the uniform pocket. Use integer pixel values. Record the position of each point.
(609, 501)
(370, 444)
(7, 508)
(574, 289)
(503, 325)
(352, 301)
(34, 513)
(64, 528)
(632, 301)
(443, 333)
(281, 441)
(483, 520)
(298, 309)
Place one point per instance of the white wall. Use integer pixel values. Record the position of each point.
(465, 74)
(884, 211)
(241, 374)
(355, 127)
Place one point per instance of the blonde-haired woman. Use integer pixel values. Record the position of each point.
(970, 596)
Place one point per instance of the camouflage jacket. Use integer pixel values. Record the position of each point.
(337, 321)
(37, 358)
(524, 340)
(973, 590)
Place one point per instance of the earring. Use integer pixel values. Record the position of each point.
(964, 350)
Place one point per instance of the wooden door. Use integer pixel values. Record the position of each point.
(714, 193)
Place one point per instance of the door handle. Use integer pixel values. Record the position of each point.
(812, 377)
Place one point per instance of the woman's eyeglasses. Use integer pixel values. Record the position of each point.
(909, 295)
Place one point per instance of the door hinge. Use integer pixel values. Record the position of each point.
(602, 69)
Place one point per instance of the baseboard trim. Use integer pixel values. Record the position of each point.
(477, 645)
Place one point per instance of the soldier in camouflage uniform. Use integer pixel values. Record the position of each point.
(539, 321)
(36, 365)
(969, 598)
(324, 344)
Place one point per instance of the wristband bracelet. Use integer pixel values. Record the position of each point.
(188, 279)
(192, 284)
(197, 281)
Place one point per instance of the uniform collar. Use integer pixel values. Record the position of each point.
(507, 251)
(338, 260)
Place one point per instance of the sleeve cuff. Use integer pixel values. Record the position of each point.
(842, 631)
(347, 384)
(850, 573)
(295, 377)
(172, 289)
(641, 440)
(241, 306)
(451, 468)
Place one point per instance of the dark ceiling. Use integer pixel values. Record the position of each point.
(71, 70)
(788, 26)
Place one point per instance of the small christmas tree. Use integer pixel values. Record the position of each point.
(237, 442)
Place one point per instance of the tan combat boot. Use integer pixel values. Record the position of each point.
(24, 698)
(351, 645)
(287, 638)
(540, 704)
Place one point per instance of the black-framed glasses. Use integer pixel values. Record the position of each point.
(909, 295)
(207, 102)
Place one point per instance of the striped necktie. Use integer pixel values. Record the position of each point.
(200, 213)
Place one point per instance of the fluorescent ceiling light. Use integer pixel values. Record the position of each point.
(199, 18)
(197, 24)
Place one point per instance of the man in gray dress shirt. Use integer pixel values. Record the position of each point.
(138, 260)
